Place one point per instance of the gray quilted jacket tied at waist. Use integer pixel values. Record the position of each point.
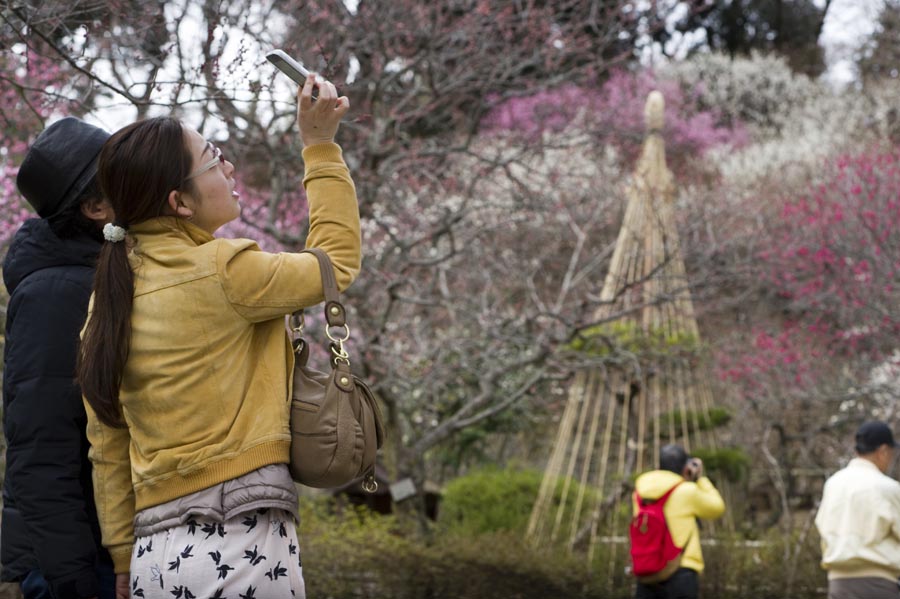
(268, 487)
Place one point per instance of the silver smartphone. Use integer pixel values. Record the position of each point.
(287, 65)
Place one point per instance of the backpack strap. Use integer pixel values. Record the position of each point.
(668, 494)
(664, 499)
(661, 500)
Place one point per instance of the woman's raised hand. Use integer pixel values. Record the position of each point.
(319, 119)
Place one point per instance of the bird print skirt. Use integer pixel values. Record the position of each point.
(254, 555)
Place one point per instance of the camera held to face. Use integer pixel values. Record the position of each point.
(693, 470)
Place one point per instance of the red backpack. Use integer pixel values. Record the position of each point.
(654, 556)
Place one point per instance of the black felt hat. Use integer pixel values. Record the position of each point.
(60, 165)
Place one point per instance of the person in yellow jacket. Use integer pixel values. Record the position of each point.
(859, 521)
(695, 497)
(185, 360)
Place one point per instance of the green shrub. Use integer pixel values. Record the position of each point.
(732, 463)
(600, 340)
(494, 499)
(490, 500)
(766, 569)
(706, 420)
(359, 555)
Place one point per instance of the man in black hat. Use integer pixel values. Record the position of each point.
(50, 538)
(859, 521)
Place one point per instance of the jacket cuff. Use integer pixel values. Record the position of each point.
(121, 557)
(317, 153)
(83, 587)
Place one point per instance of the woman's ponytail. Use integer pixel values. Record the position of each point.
(106, 338)
(138, 167)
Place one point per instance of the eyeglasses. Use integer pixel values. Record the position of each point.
(218, 158)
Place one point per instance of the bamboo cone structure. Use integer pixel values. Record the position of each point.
(617, 418)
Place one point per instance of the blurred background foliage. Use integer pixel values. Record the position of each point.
(490, 143)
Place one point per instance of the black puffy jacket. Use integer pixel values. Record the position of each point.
(49, 519)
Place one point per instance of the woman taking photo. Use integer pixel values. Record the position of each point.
(185, 362)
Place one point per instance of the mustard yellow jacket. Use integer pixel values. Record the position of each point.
(691, 500)
(206, 391)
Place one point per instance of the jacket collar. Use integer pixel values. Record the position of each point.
(168, 227)
(863, 463)
(35, 247)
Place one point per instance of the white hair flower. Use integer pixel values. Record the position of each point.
(113, 233)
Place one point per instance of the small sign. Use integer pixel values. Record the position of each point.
(402, 489)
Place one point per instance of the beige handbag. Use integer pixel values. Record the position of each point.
(336, 424)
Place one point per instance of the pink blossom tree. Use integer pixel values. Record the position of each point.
(612, 111)
(810, 364)
(836, 261)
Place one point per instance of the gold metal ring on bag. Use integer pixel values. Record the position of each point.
(346, 336)
(300, 323)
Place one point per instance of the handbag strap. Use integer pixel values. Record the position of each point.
(335, 314)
